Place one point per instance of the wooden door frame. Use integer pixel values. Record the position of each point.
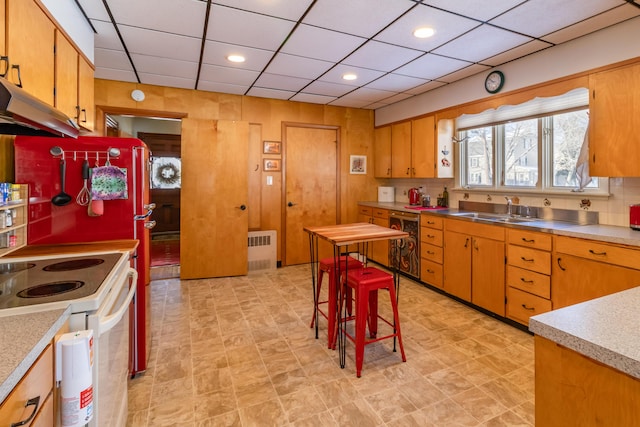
(284, 127)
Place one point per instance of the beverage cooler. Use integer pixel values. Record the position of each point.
(409, 248)
(92, 189)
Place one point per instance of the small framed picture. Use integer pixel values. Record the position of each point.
(271, 165)
(271, 147)
(358, 164)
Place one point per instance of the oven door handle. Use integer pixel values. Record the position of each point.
(111, 320)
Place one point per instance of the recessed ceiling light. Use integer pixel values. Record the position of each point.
(349, 76)
(235, 58)
(424, 32)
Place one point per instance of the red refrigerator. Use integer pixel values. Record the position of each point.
(48, 163)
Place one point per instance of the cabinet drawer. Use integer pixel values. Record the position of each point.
(381, 213)
(45, 417)
(365, 210)
(433, 237)
(534, 283)
(522, 305)
(530, 259)
(38, 381)
(494, 232)
(529, 239)
(431, 221)
(431, 273)
(597, 251)
(431, 252)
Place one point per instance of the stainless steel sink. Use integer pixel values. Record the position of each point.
(483, 216)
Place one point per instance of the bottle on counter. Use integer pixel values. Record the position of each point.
(445, 198)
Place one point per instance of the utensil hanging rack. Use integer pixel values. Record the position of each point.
(110, 153)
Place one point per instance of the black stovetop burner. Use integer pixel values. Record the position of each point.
(50, 289)
(76, 264)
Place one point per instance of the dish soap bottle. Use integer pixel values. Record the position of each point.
(445, 198)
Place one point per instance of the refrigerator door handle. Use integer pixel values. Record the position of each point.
(150, 207)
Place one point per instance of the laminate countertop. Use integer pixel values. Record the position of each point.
(22, 339)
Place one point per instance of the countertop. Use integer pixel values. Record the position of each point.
(604, 329)
(124, 245)
(603, 233)
(22, 339)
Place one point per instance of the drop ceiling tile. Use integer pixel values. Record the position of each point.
(160, 15)
(298, 66)
(276, 81)
(222, 87)
(113, 74)
(262, 92)
(216, 53)
(431, 67)
(116, 59)
(362, 18)
(311, 98)
(328, 89)
(541, 17)
(396, 98)
(425, 87)
(447, 26)
(227, 75)
(94, 9)
(165, 66)
(396, 83)
(474, 46)
(365, 75)
(381, 56)
(286, 9)
(106, 36)
(164, 80)
(156, 43)
(595, 23)
(321, 44)
(367, 94)
(515, 53)
(353, 103)
(465, 72)
(482, 10)
(247, 29)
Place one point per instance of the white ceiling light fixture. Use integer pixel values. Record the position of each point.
(424, 32)
(236, 58)
(349, 76)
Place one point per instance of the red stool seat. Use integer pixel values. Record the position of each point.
(366, 282)
(327, 265)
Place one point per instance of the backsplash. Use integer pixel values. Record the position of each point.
(613, 210)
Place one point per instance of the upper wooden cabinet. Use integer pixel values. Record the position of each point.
(614, 109)
(86, 98)
(401, 150)
(30, 46)
(382, 152)
(423, 149)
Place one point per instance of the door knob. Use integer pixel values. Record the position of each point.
(242, 207)
(291, 204)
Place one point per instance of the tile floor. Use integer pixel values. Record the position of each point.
(239, 352)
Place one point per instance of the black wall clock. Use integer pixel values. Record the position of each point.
(494, 82)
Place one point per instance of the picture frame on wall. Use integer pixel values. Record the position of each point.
(271, 165)
(271, 147)
(358, 165)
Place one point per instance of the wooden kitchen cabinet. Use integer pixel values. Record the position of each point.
(37, 383)
(474, 258)
(401, 150)
(528, 277)
(86, 99)
(585, 269)
(431, 250)
(382, 152)
(378, 251)
(413, 149)
(30, 45)
(614, 110)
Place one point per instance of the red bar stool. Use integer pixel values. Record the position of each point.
(366, 282)
(327, 265)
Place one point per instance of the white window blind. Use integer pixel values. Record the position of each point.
(536, 107)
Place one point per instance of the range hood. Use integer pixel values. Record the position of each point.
(23, 114)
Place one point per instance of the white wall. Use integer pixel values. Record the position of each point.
(613, 44)
(71, 19)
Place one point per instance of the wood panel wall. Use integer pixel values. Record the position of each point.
(266, 115)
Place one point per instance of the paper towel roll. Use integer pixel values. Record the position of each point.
(74, 369)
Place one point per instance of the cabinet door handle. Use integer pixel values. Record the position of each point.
(466, 242)
(525, 281)
(528, 308)
(430, 222)
(408, 170)
(35, 401)
(5, 60)
(430, 236)
(431, 252)
(84, 110)
(560, 265)
(430, 271)
(17, 67)
(389, 171)
(528, 240)
(592, 252)
(527, 259)
(77, 113)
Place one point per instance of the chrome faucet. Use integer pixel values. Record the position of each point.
(509, 204)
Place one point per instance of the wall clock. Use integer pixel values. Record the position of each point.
(494, 81)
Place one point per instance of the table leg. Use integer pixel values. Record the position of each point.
(313, 253)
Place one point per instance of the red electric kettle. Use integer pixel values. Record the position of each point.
(414, 196)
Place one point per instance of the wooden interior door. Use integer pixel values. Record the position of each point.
(310, 188)
(214, 214)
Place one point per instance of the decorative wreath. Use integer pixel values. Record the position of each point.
(168, 174)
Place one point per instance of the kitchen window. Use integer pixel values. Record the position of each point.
(532, 147)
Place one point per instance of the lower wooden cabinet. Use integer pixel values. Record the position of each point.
(36, 384)
(378, 251)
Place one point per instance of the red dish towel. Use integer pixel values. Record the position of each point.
(422, 208)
